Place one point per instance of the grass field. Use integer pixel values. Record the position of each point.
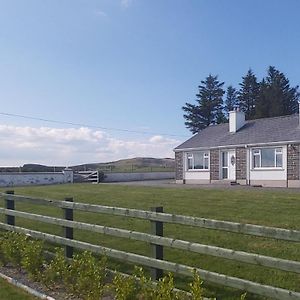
(280, 208)
(9, 292)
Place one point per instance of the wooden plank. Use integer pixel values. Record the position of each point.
(213, 277)
(250, 229)
(251, 258)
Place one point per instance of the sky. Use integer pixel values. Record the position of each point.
(115, 66)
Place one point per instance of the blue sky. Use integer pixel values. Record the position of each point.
(127, 64)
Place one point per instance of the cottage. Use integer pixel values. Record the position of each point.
(256, 152)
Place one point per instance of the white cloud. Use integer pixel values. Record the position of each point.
(69, 146)
(126, 3)
(100, 13)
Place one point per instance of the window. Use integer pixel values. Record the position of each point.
(198, 160)
(267, 158)
(225, 165)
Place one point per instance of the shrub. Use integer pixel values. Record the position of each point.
(11, 248)
(124, 288)
(165, 289)
(85, 276)
(146, 288)
(56, 269)
(32, 257)
(195, 287)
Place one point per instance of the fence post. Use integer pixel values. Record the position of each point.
(157, 251)
(68, 231)
(10, 204)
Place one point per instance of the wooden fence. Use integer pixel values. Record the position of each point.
(157, 240)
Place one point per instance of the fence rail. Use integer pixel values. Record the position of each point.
(158, 241)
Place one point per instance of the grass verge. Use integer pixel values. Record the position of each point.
(8, 291)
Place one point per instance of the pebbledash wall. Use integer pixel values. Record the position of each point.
(35, 178)
(288, 176)
(123, 177)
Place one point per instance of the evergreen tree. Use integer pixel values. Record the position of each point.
(248, 94)
(277, 98)
(220, 117)
(231, 99)
(262, 107)
(209, 107)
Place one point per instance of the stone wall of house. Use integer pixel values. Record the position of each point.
(214, 164)
(179, 165)
(293, 162)
(241, 163)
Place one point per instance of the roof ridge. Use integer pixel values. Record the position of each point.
(278, 117)
(249, 121)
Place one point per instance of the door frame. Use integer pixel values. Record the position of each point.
(230, 165)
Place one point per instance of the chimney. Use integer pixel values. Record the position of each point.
(236, 120)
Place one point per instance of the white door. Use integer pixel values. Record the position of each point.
(228, 164)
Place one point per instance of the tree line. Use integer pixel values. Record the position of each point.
(271, 97)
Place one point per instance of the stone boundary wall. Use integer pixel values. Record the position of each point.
(123, 177)
(35, 178)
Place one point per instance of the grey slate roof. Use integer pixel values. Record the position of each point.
(267, 130)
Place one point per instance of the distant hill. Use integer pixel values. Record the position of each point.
(122, 165)
(132, 164)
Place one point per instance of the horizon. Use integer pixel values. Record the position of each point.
(123, 69)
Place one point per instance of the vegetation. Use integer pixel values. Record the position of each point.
(7, 291)
(209, 105)
(137, 164)
(271, 97)
(84, 277)
(257, 206)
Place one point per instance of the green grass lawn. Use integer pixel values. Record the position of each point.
(10, 292)
(280, 208)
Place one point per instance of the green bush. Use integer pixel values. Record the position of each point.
(165, 289)
(12, 246)
(196, 287)
(85, 276)
(56, 269)
(32, 257)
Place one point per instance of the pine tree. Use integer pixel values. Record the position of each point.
(248, 94)
(209, 107)
(262, 107)
(231, 99)
(280, 97)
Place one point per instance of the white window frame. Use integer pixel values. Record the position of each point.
(190, 156)
(257, 152)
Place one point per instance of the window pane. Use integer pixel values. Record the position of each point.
(190, 162)
(268, 157)
(198, 160)
(224, 173)
(278, 160)
(224, 159)
(206, 163)
(256, 161)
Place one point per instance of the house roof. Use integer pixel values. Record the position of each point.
(259, 131)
